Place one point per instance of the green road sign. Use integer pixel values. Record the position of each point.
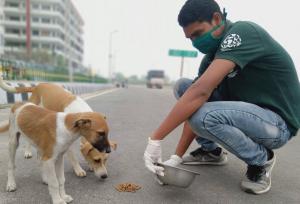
(182, 53)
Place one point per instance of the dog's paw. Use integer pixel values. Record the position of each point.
(67, 198)
(44, 181)
(11, 186)
(27, 155)
(61, 201)
(80, 172)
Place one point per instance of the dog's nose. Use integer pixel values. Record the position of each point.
(100, 147)
(108, 150)
(104, 176)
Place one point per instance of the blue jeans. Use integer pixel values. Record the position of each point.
(244, 129)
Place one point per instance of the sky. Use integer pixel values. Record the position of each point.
(144, 31)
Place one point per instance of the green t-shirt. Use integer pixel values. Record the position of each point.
(265, 74)
(222, 87)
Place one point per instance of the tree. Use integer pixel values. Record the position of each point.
(119, 76)
(41, 57)
(134, 79)
(60, 61)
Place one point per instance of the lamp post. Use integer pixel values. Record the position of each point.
(110, 55)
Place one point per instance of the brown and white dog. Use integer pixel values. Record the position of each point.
(52, 133)
(96, 160)
(54, 97)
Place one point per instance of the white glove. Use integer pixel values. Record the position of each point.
(173, 161)
(152, 155)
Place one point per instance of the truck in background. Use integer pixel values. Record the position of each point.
(155, 79)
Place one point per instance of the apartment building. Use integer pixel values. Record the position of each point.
(1, 29)
(54, 26)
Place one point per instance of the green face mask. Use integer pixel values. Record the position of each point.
(207, 43)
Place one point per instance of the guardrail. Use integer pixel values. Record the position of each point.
(75, 88)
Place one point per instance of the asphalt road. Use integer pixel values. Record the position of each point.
(133, 114)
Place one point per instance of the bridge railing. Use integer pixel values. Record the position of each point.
(21, 70)
(19, 73)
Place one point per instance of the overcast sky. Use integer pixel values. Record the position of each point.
(147, 29)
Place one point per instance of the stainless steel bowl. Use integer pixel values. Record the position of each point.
(177, 176)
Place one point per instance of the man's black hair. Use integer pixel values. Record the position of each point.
(197, 10)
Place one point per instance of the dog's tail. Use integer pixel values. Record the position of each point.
(4, 128)
(25, 89)
(12, 89)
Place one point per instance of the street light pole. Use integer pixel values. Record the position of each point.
(110, 55)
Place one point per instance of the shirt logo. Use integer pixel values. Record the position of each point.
(231, 41)
(233, 73)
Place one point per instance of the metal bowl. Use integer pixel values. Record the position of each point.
(176, 176)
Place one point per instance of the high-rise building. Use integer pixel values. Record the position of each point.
(1, 29)
(30, 26)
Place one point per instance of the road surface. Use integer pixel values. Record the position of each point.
(133, 114)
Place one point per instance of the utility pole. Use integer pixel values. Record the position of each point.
(28, 29)
(110, 56)
(68, 40)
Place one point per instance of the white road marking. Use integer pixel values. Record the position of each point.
(2, 123)
(99, 94)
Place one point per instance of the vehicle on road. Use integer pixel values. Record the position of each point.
(123, 84)
(155, 79)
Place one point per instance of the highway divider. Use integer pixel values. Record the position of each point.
(75, 88)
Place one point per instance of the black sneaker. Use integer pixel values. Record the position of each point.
(199, 157)
(258, 178)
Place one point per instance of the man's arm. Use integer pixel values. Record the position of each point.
(194, 97)
(186, 139)
(205, 62)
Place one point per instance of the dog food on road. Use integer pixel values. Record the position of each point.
(127, 187)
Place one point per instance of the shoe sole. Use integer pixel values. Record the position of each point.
(258, 192)
(206, 163)
(265, 190)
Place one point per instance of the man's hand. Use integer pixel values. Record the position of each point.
(173, 161)
(152, 155)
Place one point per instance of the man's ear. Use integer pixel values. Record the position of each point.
(113, 145)
(83, 123)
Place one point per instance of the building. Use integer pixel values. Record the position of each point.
(52, 26)
(1, 29)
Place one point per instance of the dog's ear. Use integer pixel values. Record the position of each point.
(113, 145)
(85, 148)
(82, 123)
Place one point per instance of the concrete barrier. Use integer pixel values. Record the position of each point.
(75, 88)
